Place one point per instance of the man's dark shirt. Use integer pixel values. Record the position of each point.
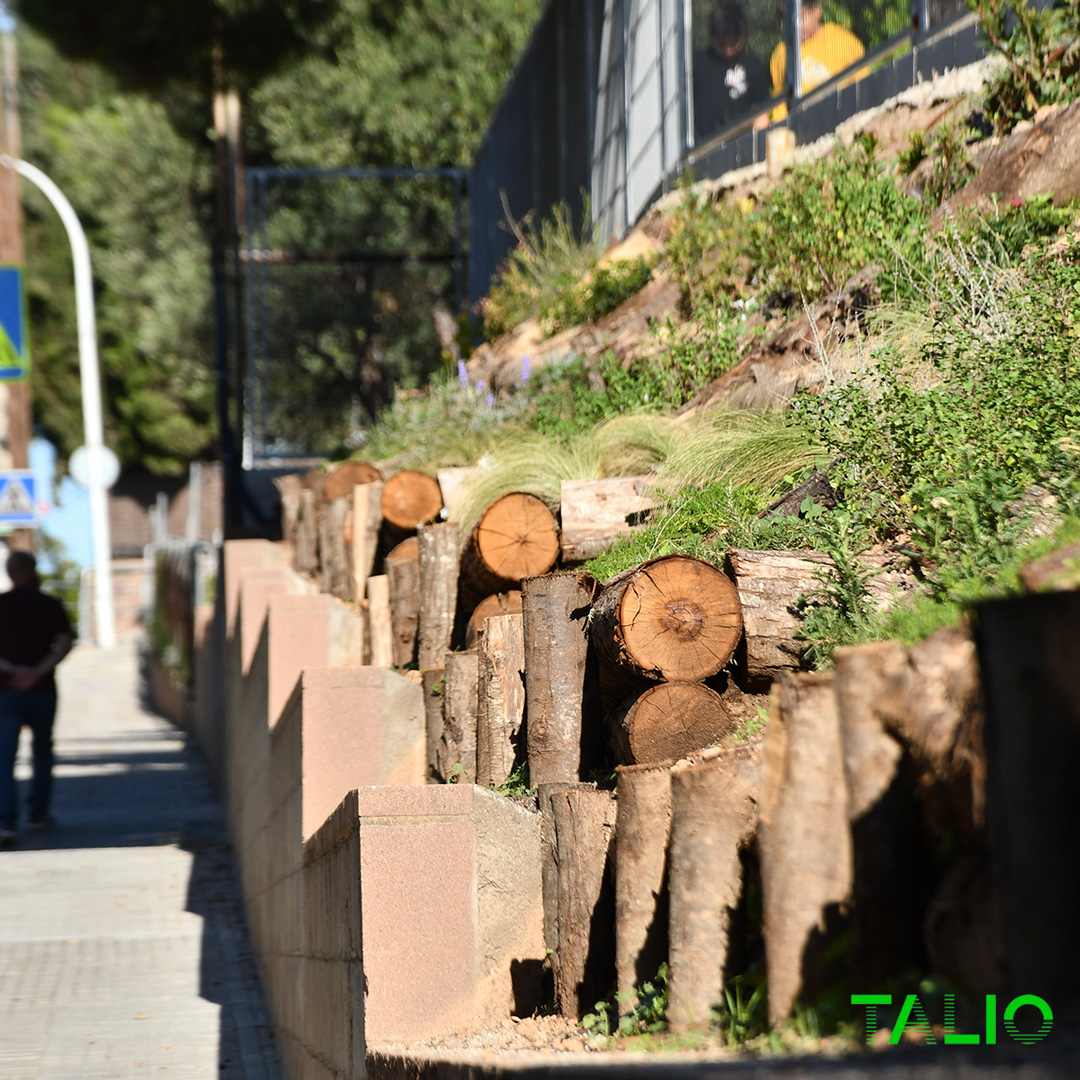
(29, 624)
(726, 88)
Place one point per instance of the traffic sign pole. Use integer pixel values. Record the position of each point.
(90, 378)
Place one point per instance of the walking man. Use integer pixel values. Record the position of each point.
(35, 636)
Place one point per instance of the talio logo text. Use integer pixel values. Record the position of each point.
(912, 1015)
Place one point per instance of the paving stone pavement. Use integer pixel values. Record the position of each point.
(123, 948)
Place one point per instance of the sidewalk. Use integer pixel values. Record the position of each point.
(123, 950)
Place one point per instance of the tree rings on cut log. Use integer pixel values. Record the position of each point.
(342, 478)
(675, 618)
(670, 720)
(504, 603)
(411, 498)
(517, 537)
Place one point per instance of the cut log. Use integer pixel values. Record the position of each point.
(403, 577)
(381, 633)
(343, 477)
(451, 483)
(555, 616)
(504, 603)
(549, 866)
(772, 586)
(1057, 571)
(595, 513)
(290, 487)
(501, 706)
(434, 698)
(804, 835)
(438, 546)
(366, 522)
(410, 498)
(668, 721)
(459, 712)
(335, 569)
(583, 824)
(643, 823)
(314, 479)
(674, 618)
(307, 534)
(517, 536)
(714, 817)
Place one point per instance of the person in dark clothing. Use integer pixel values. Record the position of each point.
(728, 81)
(35, 636)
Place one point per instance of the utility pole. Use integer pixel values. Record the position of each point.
(14, 395)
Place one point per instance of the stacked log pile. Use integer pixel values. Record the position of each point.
(833, 814)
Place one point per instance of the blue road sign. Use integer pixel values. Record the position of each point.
(14, 355)
(18, 499)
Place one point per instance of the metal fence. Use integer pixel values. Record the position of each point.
(615, 98)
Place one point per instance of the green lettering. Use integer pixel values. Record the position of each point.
(871, 1001)
(952, 1037)
(991, 1019)
(921, 1023)
(1025, 1037)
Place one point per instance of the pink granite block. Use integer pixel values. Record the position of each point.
(298, 637)
(255, 588)
(241, 556)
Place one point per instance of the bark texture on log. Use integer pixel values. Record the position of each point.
(926, 700)
(517, 536)
(438, 546)
(583, 823)
(460, 709)
(504, 603)
(643, 824)
(501, 704)
(410, 498)
(549, 865)
(366, 522)
(335, 571)
(714, 817)
(403, 577)
(673, 618)
(381, 634)
(669, 720)
(595, 513)
(307, 534)
(343, 477)
(805, 838)
(555, 613)
(434, 699)
(772, 586)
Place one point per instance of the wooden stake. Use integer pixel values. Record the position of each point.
(307, 534)
(379, 621)
(434, 703)
(504, 603)
(555, 613)
(366, 521)
(713, 818)
(460, 709)
(335, 571)
(643, 824)
(805, 838)
(403, 577)
(501, 706)
(438, 545)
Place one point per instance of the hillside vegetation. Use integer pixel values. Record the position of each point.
(943, 404)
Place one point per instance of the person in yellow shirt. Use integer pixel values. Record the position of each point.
(827, 49)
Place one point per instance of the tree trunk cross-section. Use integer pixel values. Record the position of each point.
(673, 618)
(670, 720)
(504, 603)
(342, 478)
(409, 499)
(517, 536)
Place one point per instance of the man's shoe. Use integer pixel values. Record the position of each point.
(8, 838)
(40, 822)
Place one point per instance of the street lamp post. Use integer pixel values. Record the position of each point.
(90, 379)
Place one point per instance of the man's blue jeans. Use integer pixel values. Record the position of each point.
(35, 709)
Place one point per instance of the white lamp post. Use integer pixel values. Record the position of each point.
(99, 458)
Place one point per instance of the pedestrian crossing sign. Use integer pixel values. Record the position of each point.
(18, 499)
(14, 354)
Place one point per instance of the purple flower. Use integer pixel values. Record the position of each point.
(462, 374)
(526, 369)
(490, 399)
(480, 384)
